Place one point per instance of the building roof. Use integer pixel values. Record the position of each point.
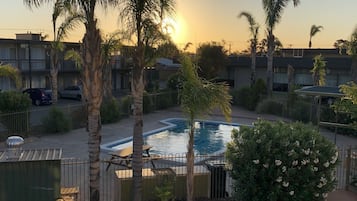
(33, 155)
(323, 91)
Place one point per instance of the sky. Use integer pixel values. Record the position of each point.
(201, 21)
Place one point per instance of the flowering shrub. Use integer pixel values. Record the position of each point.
(281, 161)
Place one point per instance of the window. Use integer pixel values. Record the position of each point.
(298, 52)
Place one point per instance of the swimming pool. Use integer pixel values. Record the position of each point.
(211, 137)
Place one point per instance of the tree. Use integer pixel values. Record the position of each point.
(60, 9)
(110, 45)
(211, 59)
(91, 57)
(313, 31)
(12, 73)
(254, 29)
(351, 48)
(199, 97)
(139, 18)
(319, 71)
(273, 12)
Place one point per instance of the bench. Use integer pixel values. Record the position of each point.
(69, 193)
(124, 156)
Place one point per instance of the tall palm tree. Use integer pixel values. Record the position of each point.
(319, 71)
(110, 45)
(139, 18)
(12, 73)
(91, 56)
(273, 12)
(199, 97)
(60, 9)
(352, 50)
(313, 31)
(254, 29)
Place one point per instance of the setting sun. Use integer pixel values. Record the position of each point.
(175, 27)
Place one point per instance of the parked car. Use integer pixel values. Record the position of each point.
(74, 92)
(39, 96)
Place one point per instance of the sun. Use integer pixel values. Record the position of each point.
(172, 27)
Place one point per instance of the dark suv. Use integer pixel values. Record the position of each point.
(39, 96)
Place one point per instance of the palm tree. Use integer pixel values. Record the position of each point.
(110, 45)
(92, 65)
(352, 50)
(313, 31)
(10, 72)
(273, 11)
(199, 97)
(139, 18)
(60, 8)
(254, 29)
(319, 71)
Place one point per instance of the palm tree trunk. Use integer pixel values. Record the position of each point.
(54, 76)
(270, 64)
(190, 162)
(354, 69)
(92, 89)
(107, 82)
(253, 66)
(137, 92)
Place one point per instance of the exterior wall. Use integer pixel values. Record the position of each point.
(338, 68)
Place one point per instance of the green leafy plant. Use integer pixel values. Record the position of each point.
(56, 121)
(281, 161)
(270, 106)
(14, 111)
(110, 111)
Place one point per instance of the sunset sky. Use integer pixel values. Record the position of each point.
(199, 21)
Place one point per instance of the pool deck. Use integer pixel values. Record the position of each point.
(74, 143)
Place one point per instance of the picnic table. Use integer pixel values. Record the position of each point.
(124, 156)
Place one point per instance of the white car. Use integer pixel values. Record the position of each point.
(74, 92)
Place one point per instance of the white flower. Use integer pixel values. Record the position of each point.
(279, 179)
(323, 180)
(334, 158)
(283, 169)
(297, 143)
(324, 195)
(278, 162)
(315, 169)
(291, 192)
(294, 163)
(291, 152)
(266, 165)
(327, 164)
(304, 162)
(316, 161)
(316, 195)
(256, 161)
(285, 184)
(319, 185)
(307, 151)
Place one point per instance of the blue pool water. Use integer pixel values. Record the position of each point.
(211, 137)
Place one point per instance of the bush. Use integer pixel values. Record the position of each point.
(148, 103)
(79, 116)
(14, 111)
(125, 106)
(281, 161)
(270, 106)
(110, 111)
(300, 111)
(249, 97)
(56, 121)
